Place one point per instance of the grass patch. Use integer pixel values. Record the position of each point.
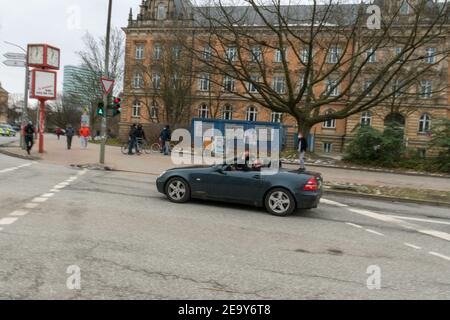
(110, 142)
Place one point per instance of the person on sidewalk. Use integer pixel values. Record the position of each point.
(70, 132)
(132, 136)
(166, 136)
(85, 133)
(58, 133)
(302, 148)
(29, 132)
(140, 138)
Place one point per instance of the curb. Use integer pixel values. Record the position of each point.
(386, 198)
(431, 175)
(15, 155)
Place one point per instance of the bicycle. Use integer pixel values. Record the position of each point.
(141, 145)
(157, 147)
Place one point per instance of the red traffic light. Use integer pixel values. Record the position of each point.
(117, 101)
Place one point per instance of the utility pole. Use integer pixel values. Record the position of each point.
(105, 96)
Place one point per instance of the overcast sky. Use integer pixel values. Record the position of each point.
(61, 23)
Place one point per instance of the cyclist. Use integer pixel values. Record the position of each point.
(140, 138)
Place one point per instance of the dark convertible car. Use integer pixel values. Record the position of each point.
(280, 193)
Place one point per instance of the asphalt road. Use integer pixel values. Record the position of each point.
(129, 242)
(5, 140)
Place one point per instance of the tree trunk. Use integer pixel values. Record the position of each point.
(304, 127)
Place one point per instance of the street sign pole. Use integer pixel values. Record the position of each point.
(105, 95)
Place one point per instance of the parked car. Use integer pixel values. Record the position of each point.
(280, 193)
(7, 130)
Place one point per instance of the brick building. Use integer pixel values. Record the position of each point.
(3, 105)
(146, 40)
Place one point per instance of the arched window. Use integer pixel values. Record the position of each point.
(227, 112)
(425, 123)
(136, 110)
(366, 119)
(162, 12)
(331, 123)
(203, 111)
(252, 114)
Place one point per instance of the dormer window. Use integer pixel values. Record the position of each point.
(162, 12)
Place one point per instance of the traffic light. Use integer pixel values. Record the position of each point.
(117, 108)
(101, 109)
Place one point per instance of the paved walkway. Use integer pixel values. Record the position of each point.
(57, 153)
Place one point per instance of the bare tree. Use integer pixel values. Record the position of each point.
(63, 111)
(300, 59)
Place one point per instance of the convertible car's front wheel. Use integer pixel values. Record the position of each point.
(280, 202)
(178, 190)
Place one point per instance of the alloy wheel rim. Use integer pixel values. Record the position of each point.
(279, 202)
(177, 190)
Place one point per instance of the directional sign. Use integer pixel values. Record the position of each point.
(107, 84)
(15, 63)
(15, 56)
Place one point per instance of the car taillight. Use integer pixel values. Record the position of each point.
(311, 185)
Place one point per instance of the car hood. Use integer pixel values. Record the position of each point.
(191, 168)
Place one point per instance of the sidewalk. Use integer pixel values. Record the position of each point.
(154, 164)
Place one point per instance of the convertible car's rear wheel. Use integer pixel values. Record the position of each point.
(280, 202)
(178, 190)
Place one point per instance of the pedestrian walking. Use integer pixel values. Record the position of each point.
(85, 133)
(302, 148)
(132, 140)
(166, 136)
(70, 132)
(58, 133)
(140, 138)
(29, 132)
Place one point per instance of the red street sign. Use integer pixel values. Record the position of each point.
(107, 85)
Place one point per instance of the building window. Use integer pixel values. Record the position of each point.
(367, 85)
(399, 54)
(136, 110)
(430, 55)
(231, 54)
(327, 147)
(279, 55)
(366, 119)
(157, 52)
(256, 53)
(330, 123)
(277, 117)
(404, 8)
(425, 123)
(162, 12)
(252, 87)
(203, 111)
(228, 84)
(305, 56)
(205, 82)
(371, 55)
(332, 88)
(138, 81)
(140, 51)
(279, 84)
(422, 153)
(397, 89)
(176, 53)
(252, 114)
(334, 55)
(207, 53)
(156, 80)
(426, 89)
(227, 112)
(154, 112)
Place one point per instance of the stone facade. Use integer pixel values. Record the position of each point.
(3, 105)
(154, 22)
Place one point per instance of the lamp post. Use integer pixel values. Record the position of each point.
(24, 115)
(105, 95)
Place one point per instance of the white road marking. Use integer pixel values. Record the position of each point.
(39, 200)
(333, 203)
(59, 186)
(55, 190)
(7, 221)
(19, 213)
(47, 195)
(31, 205)
(421, 220)
(439, 255)
(354, 225)
(82, 172)
(16, 168)
(412, 246)
(375, 232)
(437, 234)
